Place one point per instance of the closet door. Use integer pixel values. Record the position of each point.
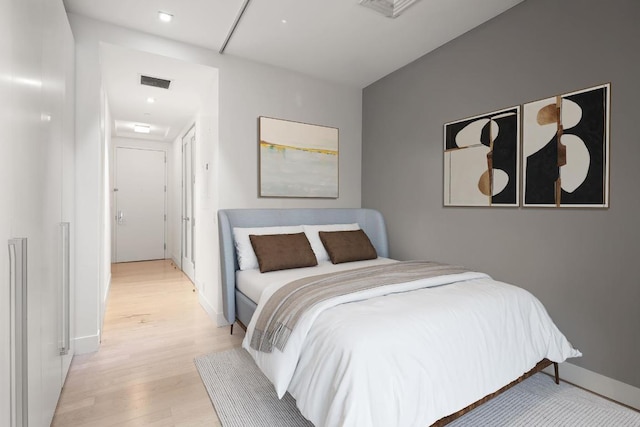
(52, 237)
(6, 195)
(68, 195)
(36, 184)
(29, 169)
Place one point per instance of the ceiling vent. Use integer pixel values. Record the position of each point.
(155, 82)
(389, 8)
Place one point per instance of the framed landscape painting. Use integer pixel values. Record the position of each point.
(297, 159)
(481, 160)
(565, 146)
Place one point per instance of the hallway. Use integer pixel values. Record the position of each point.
(143, 374)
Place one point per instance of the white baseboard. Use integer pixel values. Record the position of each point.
(217, 318)
(597, 383)
(175, 261)
(88, 344)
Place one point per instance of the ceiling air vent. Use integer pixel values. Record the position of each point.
(389, 8)
(155, 82)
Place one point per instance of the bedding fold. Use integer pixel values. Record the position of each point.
(281, 313)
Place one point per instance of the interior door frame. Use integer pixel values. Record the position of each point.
(190, 220)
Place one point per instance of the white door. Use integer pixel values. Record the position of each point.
(7, 189)
(68, 207)
(188, 220)
(140, 192)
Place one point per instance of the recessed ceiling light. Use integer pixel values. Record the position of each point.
(284, 21)
(142, 128)
(164, 16)
(151, 100)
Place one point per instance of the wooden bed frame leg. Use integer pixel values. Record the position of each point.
(555, 369)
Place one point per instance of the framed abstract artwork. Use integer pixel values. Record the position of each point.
(297, 159)
(481, 160)
(565, 150)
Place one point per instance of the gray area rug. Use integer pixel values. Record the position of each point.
(244, 397)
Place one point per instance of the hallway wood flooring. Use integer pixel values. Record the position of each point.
(143, 374)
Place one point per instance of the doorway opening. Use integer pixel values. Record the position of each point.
(148, 127)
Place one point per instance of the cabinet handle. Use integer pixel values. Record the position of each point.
(65, 284)
(19, 343)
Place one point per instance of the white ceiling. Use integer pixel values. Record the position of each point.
(335, 40)
(173, 108)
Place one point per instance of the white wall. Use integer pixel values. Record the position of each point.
(206, 207)
(246, 90)
(88, 195)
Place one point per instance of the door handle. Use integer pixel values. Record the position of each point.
(65, 343)
(18, 341)
(120, 217)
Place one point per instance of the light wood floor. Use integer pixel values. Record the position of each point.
(143, 374)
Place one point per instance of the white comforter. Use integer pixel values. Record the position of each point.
(410, 357)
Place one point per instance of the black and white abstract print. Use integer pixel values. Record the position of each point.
(566, 150)
(481, 157)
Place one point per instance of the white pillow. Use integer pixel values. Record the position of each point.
(314, 238)
(246, 256)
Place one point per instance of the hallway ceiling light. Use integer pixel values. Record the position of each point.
(164, 16)
(151, 100)
(389, 8)
(142, 128)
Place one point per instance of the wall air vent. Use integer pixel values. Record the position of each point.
(155, 82)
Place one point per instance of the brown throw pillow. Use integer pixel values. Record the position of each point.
(282, 251)
(347, 246)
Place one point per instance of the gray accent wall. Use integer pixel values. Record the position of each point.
(581, 263)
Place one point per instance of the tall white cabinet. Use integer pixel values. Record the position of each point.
(37, 208)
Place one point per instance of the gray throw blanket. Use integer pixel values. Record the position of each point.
(284, 308)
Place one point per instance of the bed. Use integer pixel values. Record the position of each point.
(388, 356)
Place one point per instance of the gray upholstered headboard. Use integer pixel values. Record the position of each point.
(236, 305)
